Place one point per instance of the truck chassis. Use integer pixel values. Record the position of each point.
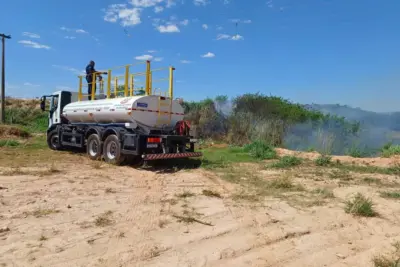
(116, 143)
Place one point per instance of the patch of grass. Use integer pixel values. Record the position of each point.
(110, 190)
(96, 164)
(171, 201)
(323, 160)
(392, 259)
(388, 194)
(210, 193)
(185, 194)
(162, 223)
(32, 120)
(395, 170)
(340, 174)
(214, 158)
(13, 130)
(287, 162)
(42, 212)
(284, 183)
(246, 197)
(261, 150)
(9, 143)
(370, 180)
(104, 219)
(391, 150)
(356, 152)
(323, 193)
(360, 206)
(42, 238)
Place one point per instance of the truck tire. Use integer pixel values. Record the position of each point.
(53, 140)
(94, 148)
(112, 150)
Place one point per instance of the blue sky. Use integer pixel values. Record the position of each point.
(308, 51)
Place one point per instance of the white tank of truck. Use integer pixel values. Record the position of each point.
(152, 111)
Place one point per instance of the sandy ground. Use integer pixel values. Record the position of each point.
(84, 214)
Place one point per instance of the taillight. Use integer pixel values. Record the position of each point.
(154, 140)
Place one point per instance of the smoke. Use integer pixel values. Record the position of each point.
(375, 129)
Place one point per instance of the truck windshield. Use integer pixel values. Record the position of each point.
(54, 102)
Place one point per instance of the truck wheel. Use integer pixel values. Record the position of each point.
(112, 150)
(94, 148)
(53, 141)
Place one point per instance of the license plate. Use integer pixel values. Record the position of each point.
(152, 145)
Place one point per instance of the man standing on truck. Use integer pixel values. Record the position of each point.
(89, 78)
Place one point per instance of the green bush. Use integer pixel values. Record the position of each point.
(287, 162)
(391, 150)
(258, 117)
(323, 160)
(8, 143)
(33, 120)
(260, 150)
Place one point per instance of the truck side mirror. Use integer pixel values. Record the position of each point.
(43, 103)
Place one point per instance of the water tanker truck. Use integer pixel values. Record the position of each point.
(147, 127)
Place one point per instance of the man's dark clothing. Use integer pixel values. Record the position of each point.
(89, 78)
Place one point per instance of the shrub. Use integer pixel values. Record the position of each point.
(287, 162)
(260, 150)
(360, 206)
(323, 160)
(8, 143)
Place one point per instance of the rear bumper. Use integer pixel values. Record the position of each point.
(172, 155)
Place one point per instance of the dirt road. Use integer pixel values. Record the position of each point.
(80, 213)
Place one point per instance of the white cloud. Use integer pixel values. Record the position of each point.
(247, 21)
(145, 3)
(31, 85)
(223, 36)
(184, 61)
(170, 3)
(236, 37)
(158, 9)
(158, 59)
(144, 57)
(220, 28)
(226, 2)
(168, 28)
(64, 88)
(127, 16)
(36, 45)
(184, 22)
(31, 35)
(70, 37)
(151, 51)
(208, 55)
(205, 26)
(201, 2)
(72, 30)
(75, 71)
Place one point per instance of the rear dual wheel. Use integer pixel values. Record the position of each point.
(112, 150)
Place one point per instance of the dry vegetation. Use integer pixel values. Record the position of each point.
(244, 206)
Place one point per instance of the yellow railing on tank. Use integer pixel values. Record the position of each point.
(129, 83)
